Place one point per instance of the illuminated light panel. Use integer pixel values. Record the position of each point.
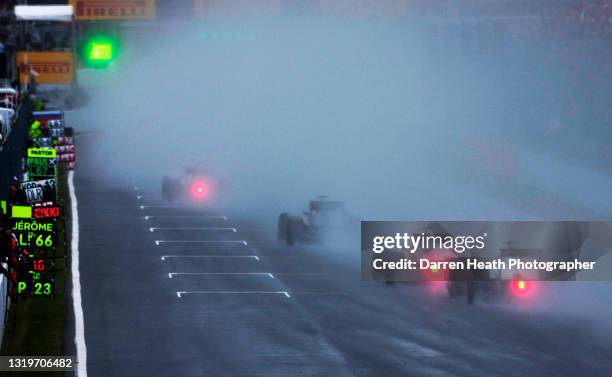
(522, 289)
(199, 190)
(21, 212)
(100, 52)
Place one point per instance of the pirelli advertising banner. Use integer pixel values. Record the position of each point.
(95, 10)
(231, 8)
(498, 252)
(51, 67)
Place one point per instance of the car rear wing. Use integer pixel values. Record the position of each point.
(326, 205)
(511, 252)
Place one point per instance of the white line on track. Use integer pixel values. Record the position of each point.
(300, 273)
(289, 256)
(164, 257)
(187, 217)
(79, 321)
(172, 274)
(159, 242)
(180, 294)
(153, 229)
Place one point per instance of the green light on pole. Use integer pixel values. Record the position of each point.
(100, 51)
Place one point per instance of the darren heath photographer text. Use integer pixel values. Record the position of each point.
(412, 243)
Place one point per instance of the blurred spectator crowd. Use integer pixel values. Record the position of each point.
(30, 36)
(565, 18)
(586, 18)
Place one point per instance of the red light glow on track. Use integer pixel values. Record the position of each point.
(199, 190)
(522, 288)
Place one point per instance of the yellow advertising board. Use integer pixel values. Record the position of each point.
(339, 8)
(229, 8)
(113, 9)
(51, 67)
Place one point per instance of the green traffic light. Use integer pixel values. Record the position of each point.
(102, 52)
(99, 51)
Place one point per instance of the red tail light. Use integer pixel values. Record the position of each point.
(522, 288)
(199, 190)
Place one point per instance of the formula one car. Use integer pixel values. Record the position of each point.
(499, 271)
(198, 185)
(558, 242)
(491, 285)
(322, 217)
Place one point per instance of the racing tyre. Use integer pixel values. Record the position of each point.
(296, 230)
(283, 227)
(169, 189)
(290, 235)
(293, 226)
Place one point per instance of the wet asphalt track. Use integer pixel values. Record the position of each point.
(209, 304)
